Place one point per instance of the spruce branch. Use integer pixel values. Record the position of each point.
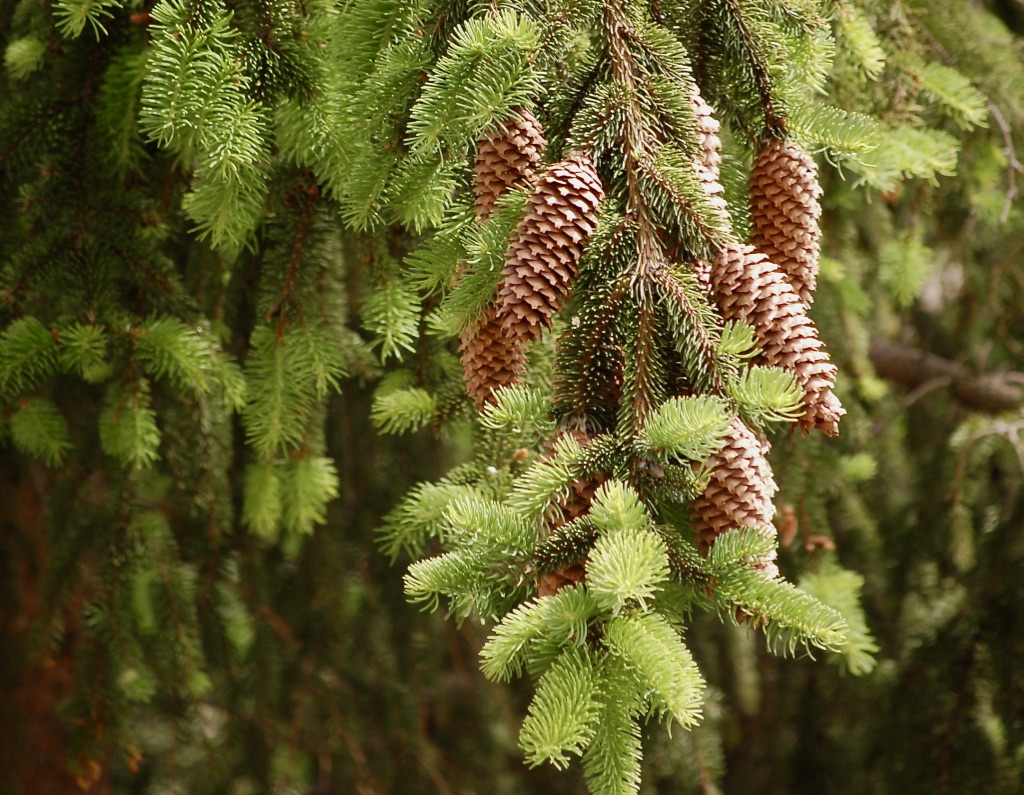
(83, 350)
(288, 374)
(695, 327)
(169, 348)
(74, 15)
(40, 430)
(767, 394)
(562, 714)
(548, 479)
(626, 568)
(307, 484)
(660, 659)
(392, 314)
(611, 762)
(566, 547)
(589, 363)
(516, 409)
(643, 364)
(28, 354)
(481, 78)
(960, 100)
(261, 499)
(403, 410)
(23, 56)
(419, 517)
(914, 368)
(739, 15)
(562, 619)
(862, 43)
(487, 525)
(739, 546)
(691, 428)
(790, 617)
(841, 590)
(846, 135)
(617, 506)
(128, 429)
(479, 272)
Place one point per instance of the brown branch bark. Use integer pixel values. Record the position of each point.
(912, 368)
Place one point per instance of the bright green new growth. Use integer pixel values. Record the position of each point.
(625, 568)
(561, 716)
(39, 430)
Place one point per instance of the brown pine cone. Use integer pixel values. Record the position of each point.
(543, 257)
(739, 494)
(550, 583)
(707, 166)
(507, 158)
(747, 286)
(701, 270)
(784, 195)
(490, 359)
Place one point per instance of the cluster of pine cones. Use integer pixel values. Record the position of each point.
(767, 284)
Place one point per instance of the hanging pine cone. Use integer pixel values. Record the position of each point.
(739, 494)
(707, 166)
(551, 582)
(490, 359)
(747, 286)
(507, 159)
(784, 195)
(543, 257)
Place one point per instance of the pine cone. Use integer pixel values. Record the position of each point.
(707, 166)
(490, 359)
(739, 494)
(701, 270)
(507, 158)
(543, 257)
(550, 583)
(747, 286)
(784, 194)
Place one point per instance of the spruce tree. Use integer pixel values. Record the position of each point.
(643, 266)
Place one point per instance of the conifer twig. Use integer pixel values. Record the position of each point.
(1013, 165)
(912, 367)
(312, 194)
(773, 121)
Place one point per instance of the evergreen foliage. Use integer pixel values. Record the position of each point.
(214, 218)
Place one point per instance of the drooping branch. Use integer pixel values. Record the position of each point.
(773, 121)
